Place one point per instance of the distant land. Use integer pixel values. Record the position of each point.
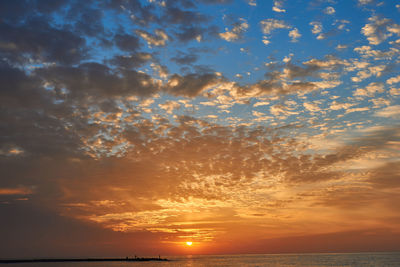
(80, 260)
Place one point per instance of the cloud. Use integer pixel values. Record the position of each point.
(278, 6)
(175, 15)
(34, 124)
(367, 51)
(20, 90)
(329, 10)
(359, 240)
(294, 34)
(312, 67)
(336, 105)
(357, 109)
(160, 38)
(191, 85)
(277, 110)
(317, 27)
(185, 58)
(169, 106)
(317, 30)
(365, 2)
(126, 42)
(272, 86)
(394, 91)
(97, 80)
(393, 80)
(387, 176)
(368, 72)
(237, 31)
(328, 63)
(379, 29)
(269, 25)
(389, 112)
(370, 90)
(216, 1)
(252, 2)
(10, 150)
(311, 107)
(265, 41)
(137, 12)
(257, 114)
(13, 12)
(342, 24)
(283, 81)
(16, 191)
(131, 61)
(262, 103)
(37, 40)
(194, 32)
(341, 47)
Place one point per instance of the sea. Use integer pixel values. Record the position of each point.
(248, 260)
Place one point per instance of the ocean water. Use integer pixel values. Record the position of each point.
(259, 260)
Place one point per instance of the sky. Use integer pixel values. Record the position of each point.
(130, 127)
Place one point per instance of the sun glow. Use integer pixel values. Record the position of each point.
(189, 243)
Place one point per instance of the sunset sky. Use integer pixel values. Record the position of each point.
(249, 126)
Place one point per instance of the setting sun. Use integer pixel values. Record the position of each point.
(189, 243)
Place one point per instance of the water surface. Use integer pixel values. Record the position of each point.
(258, 260)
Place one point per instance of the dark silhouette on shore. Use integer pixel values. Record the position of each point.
(81, 260)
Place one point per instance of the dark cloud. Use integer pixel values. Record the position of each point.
(18, 89)
(214, 2)
(16, 12)
(33, 117)
(176, 15)
(37, 40)
(186, 21)
(182, 3)
(190, 85)
(109, 106)
(13, 11)
(88, 21)
(294, 71)
(188, 33)
(203, 69)
(312, 67)
(131, 61)
(60, 236)
(143, 14)
(48, 6)
(184, 59)
(39, 133)
(98, 80)
(127, 42)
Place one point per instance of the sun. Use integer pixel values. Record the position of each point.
(189, 243)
